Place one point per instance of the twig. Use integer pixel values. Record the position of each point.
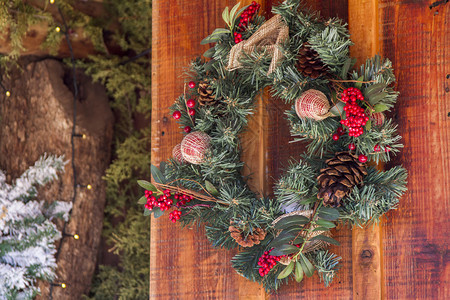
(194, 194)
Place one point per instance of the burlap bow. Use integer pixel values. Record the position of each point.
(268, 37)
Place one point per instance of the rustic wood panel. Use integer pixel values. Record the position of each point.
(415, 237)
(366, 242)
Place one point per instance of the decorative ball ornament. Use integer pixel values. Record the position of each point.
(176, 154)
(194, 147)
(378, 118)
(312, 104)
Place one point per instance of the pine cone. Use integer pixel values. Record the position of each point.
(309, 62)
(205, 96)
(252, 239)
(344, 171)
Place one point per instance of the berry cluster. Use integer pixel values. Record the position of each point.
(356, 118)
(175, 215)
(266, 262)
(191, 110)
(246, 17)
(164, 202)
(338, 134)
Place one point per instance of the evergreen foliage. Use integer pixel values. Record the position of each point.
(300, 239)
(27, 234)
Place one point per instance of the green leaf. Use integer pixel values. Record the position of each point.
(298, 272)
(321, 228)
(226, 16)
(377, 98)
(326, 239)
(307, 266)
(157, 175)
(374, 89)
(233, 12)
(157, 212)
(147, 212)
(346, 67)
(380, 107)
(283, 250)
(338, 109)
(210, 39)
(210, 52)
(358, 85)
(142, 200)
(325, 223)
(368, 125)
(281, 240)
(162, 167)
(287, 271)
(298, 240)
(211, 189)
(147, 185)
(291, 220)
(328, 213)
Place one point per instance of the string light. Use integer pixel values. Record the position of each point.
(83, 136)
(8, 93)
(74, 236)
(52, 1)
(63, 285)
(87, 186)
(58, 29)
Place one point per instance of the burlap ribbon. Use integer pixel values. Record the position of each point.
(268, 37)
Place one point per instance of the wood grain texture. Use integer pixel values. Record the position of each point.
(366, 242)
(415, 237)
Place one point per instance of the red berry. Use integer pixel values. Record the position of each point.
(335, 137)
(176, 115)
(187, 129)
(191, 111)
(190, 103)
(191, 84)
(351, 146)
(377, 148)
(340, 130)
(387, 149)
(362, 158)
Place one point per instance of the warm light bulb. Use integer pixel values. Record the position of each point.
(89, 186)
(76, 236)
(63, 285)
(8, 93)
(57, 29)
(52, 1)
(83, 136)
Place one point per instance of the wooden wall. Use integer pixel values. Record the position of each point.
(405, 257)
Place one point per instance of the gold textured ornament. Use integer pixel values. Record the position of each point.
(269, 37)
(194, 147)
(312, 104)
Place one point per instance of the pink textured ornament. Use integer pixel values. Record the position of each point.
(194, 147)
(378, 118)
(312, 104)
(176, 154)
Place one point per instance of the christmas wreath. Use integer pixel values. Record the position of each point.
(338, 110)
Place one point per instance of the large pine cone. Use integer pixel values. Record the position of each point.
(344, 171)
(205, 94)
(252, 239)
(309, 62)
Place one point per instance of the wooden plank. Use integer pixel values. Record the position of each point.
(366, 242)
(417, 40)
(183, 265)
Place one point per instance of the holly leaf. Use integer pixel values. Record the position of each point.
(287, 271)
(226, 15)
(298, 272)
(307, 266)
(142, 200)
(358, 84)
(233, 12)
(283, 250)
(162, 167)
(346, 67)
(298, 240)
(380, 108)
(157, 175)
(326, 239)
(211, 189)
(325, 223)
(377, 98)
(282, 240)
(321, 228)
(147, 212)
(328, 213)
(291, 220)
(368, 125)
(210, 52)
(147, 185)
(374, 89)
(157, 212)
(338, 109)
